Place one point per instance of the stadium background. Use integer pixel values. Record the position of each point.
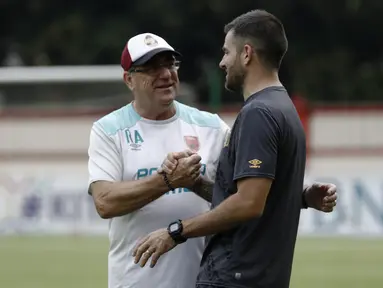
(59, 72)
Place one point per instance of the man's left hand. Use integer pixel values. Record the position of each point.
(153, 245)
(321, 196)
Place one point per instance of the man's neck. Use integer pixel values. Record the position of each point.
(155, 113)
(256, 82)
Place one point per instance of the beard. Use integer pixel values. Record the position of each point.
(235, 79)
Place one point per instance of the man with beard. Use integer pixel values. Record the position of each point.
(257, 194)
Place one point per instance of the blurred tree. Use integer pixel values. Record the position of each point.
(335, 50)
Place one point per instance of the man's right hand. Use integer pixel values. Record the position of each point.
(186, 172)
(171, 161)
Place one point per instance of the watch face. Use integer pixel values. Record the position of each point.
(173, 227)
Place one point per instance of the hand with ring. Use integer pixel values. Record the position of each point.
(153, 245)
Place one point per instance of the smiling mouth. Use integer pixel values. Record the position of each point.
(164, 86)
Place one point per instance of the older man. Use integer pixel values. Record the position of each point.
(128, 145)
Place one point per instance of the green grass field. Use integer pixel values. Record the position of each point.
(63, 262)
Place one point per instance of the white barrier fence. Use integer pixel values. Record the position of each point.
(359, 210)
(48, 205)
(61, 205)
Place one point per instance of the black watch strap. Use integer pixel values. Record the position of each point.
(304, 202)
(176, 234)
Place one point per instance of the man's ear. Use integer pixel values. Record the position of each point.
(248, 54)
(128, 79)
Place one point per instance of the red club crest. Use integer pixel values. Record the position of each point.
(192, 142)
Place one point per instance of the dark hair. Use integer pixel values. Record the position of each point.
(265, 33)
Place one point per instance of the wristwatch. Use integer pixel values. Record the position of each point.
(175, 231)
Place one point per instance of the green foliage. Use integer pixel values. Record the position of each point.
(335, 50)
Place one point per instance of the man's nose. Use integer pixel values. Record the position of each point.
(221, 65)
(165, 72)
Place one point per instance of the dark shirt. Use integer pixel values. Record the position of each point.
(268, 141)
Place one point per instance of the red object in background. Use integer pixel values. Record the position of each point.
(303, 108)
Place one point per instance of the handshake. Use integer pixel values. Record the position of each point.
(183, 169)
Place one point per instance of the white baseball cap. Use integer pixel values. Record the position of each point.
(141, 48)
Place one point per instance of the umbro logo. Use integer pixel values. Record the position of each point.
(255, 163)
(134, 139)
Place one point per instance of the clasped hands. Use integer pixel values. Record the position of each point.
(183, 168)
